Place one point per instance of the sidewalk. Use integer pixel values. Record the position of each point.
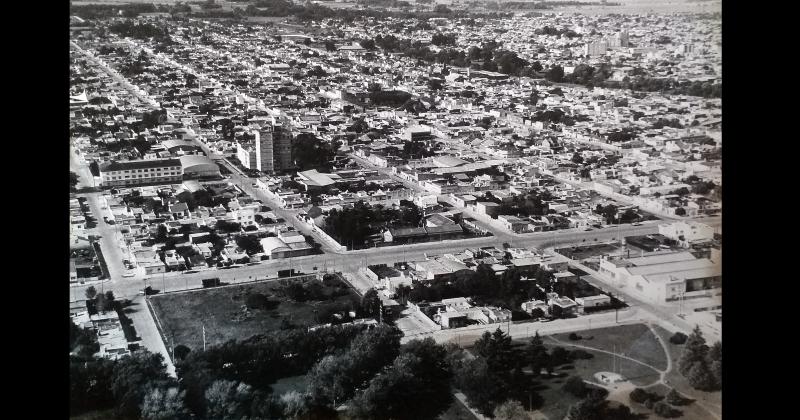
(146, 329)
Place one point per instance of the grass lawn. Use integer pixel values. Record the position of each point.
(638, 374)
(635, 341)
(225, 316)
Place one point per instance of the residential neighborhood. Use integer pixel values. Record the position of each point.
(285, 209)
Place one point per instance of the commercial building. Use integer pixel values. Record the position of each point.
(687, 233)
(196, 166)
(136, 172)
(666, 277)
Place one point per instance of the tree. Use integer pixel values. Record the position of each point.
(481, 385)
(700, 377)
(73, 180)
(575, 386)
(164, 404)
(510, 410)
(131, 377)
(330, 46)
(435, 84)
(181, 351)
(336, 377)
(419, 374)
(589, 408)
(695, 350)
(249, 243)
(537, 355)
(555, 74)
(371, 303)
(90, 292)
(367, 44)
(673, 397)
(496, 348)
(228, 400)
(577, 158)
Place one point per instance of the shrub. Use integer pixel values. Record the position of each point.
(575, 386)
(580, 354)
(678, 338)
(639, 395)
(256, 301)
(674, 398)
(665, 410)
(181, 351)
(574, 337)
(648, 403)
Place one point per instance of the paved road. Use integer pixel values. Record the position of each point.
(350, 261)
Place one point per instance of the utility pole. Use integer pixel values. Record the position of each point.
(204, 337)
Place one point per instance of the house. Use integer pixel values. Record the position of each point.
(513, 223)
(463, 200)
(561, 305)
(487, 208)
(532, 305)
(150, 261)
(405, 235)
(592, 301)
(179, 211)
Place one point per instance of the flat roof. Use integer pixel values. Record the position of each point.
(139, 164)
(661, 258)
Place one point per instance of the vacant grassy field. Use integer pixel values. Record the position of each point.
(225, 315)
(635, 341)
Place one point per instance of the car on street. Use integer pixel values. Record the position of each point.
(637, 224)
(190, 272)
(587, 229)
(128, 274)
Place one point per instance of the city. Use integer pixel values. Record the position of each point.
(395, 209)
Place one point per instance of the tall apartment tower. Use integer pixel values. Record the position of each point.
(281, 147)
(623, 39)
(273, 148)
(264, 154)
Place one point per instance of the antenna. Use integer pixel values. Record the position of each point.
(204, 337)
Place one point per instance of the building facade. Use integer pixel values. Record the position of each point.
(273, 148)
(137, 172)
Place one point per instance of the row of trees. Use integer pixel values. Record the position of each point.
(590, 76)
